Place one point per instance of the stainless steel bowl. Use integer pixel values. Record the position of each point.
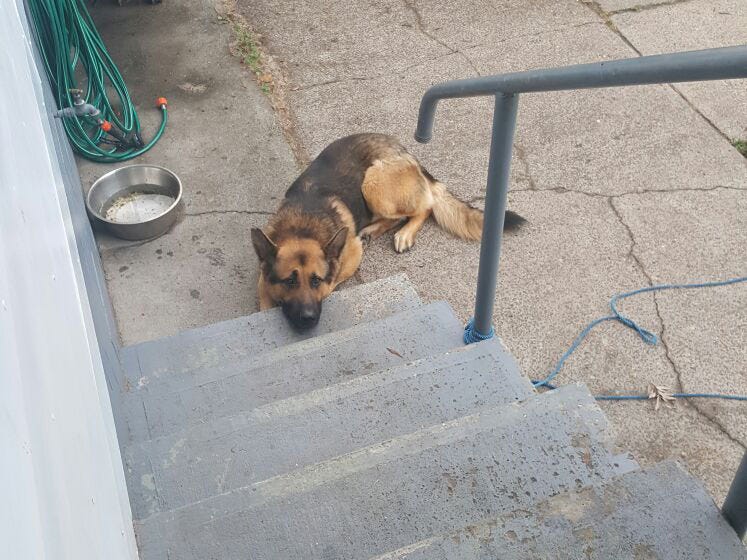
(136, 202)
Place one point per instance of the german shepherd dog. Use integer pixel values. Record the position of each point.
(358, 188)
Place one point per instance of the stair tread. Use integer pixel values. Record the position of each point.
(621, 518)
(259, 332)
(200, 396)
(384, 496)
(180, 468)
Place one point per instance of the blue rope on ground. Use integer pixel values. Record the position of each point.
(647, 336)
(471, 335)
(675, 395)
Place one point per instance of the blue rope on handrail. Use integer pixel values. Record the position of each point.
(647, 336)
(471, 335)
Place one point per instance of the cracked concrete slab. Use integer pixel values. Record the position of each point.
(321, 42)
(604, 141)
(697, 24)
(469, 23)
(222, 140)
(707, 335)
(694, 237)
(557, 274)
(205, 271)
(610, 141)
(679, 433)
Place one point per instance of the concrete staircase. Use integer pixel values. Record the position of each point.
(384, 437)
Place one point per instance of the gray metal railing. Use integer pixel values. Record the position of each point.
(735, 505)
(694, 66)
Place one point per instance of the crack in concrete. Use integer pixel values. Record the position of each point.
(131, 245)
(247, 212)
(451, 52)
(386, 74)
(678, 376)
(718, 425)
(606, 17)
(645, 8)
(663, 331)
(699, 112)
(335, 81)
(135, 244)
(543, 31)
(565, 190)
(631, 250)
(521, 155)
(421, 27)
(594, 6)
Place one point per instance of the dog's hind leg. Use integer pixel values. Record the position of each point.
(395, 189)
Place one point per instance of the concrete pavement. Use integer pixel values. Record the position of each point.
(622, 187)
(226, 145)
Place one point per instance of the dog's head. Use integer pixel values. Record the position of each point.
(299, 273)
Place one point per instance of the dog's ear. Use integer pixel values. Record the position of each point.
(263, 245)
(334, 246)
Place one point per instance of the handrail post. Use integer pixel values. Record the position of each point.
(735, 505)
(499, 167)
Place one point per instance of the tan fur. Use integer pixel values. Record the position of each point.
(306, 256)
(455, 216)
(396, 188)
(352, 253)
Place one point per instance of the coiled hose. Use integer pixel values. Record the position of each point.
(80, 68)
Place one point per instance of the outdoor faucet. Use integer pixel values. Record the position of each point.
(79, 109)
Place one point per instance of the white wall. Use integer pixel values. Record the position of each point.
(62, 488)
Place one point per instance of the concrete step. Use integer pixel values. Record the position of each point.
(660, 513)
(403, 490)
(201, 395)
(147, 362)
(236, 451)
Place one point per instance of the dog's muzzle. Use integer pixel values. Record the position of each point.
(303, 316)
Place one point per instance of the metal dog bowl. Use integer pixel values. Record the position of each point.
(136, 202)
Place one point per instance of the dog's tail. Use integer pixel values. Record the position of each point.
(459, 218)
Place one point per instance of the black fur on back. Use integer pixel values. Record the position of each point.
(338, 171)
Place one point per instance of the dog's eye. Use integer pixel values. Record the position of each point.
(290, 282)
(315, 281)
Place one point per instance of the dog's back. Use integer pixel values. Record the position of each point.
(339, 171)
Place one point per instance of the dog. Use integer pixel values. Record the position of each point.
(358, 188)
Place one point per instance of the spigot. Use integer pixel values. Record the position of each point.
(79, 109)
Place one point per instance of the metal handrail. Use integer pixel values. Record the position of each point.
(694, 66)
(735, 504)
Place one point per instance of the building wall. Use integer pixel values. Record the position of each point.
(62, 482)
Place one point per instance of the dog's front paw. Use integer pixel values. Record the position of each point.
(403, 241)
